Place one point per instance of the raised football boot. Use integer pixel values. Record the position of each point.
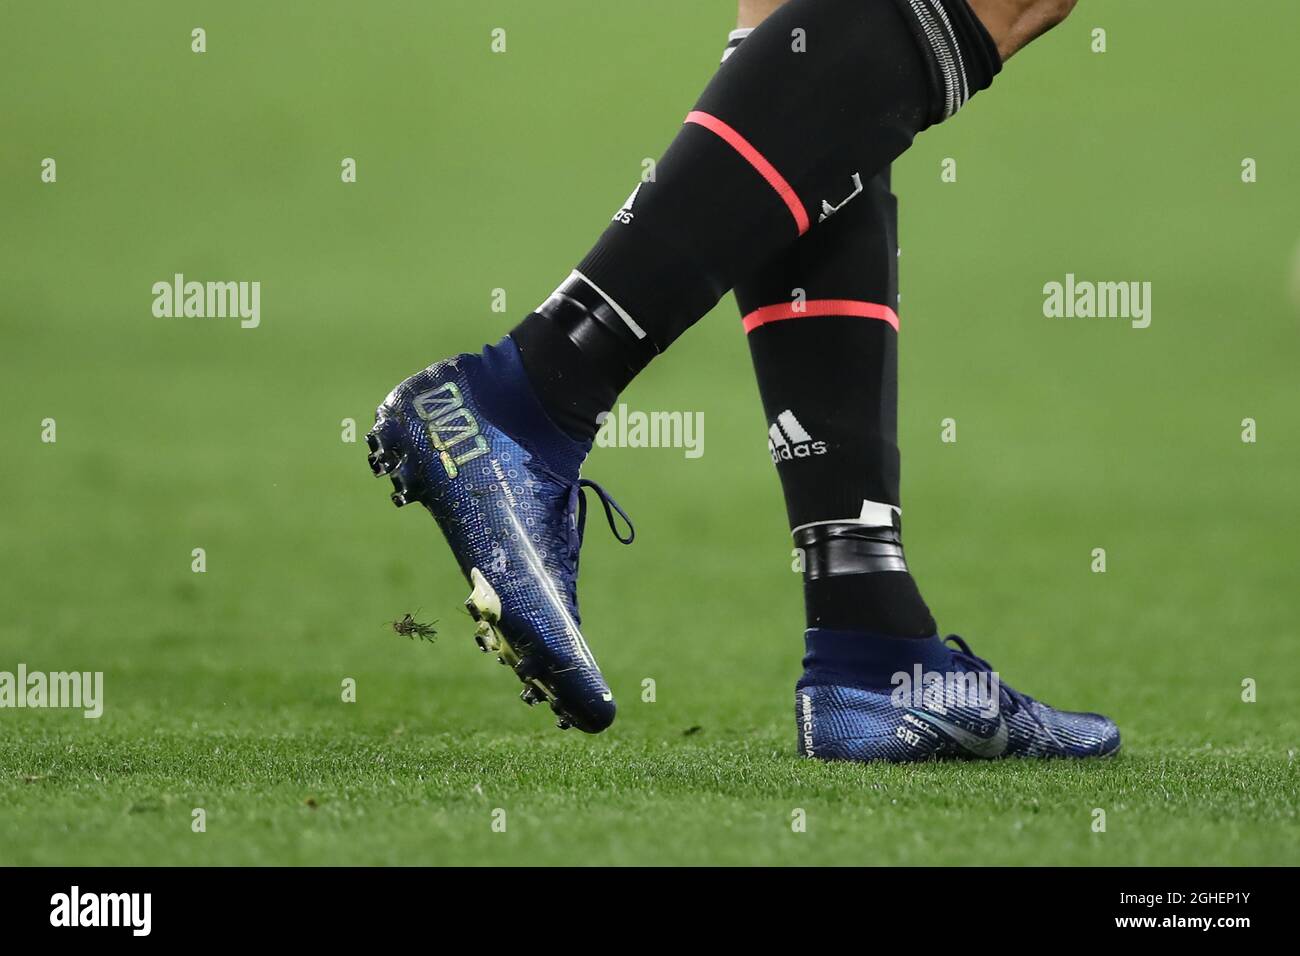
(467, 439)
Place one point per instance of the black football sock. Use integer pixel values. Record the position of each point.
(784, 133)
(822, 326)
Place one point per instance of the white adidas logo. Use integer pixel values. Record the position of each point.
(625, 213)
(787, 439)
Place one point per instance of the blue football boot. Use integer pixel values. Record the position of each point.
(468, 439)
(868, 698)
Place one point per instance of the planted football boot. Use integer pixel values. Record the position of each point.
(467, 439)
(868, 698)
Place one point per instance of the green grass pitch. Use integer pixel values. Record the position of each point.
(479, 171)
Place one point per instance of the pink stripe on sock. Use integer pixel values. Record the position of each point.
(815, 307)
(752, 156)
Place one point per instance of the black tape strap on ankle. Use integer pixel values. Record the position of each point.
(593, 326)
(835, 548)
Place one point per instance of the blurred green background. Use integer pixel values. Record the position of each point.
(479, 171)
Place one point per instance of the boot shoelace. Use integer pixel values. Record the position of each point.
(1013, 698)
(576, 525)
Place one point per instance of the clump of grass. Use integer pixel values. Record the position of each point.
(407, 626)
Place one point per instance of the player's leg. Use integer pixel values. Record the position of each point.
(823, 329)
(827, 93)
(491, 444)
(830, 391)
(824, 93)
(821, 322)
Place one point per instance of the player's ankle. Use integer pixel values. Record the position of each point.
(865, 659)
(580, 350)
(884, 603)
(510, 400)
(856, 579)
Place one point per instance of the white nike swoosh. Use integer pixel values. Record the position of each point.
(987, 747)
